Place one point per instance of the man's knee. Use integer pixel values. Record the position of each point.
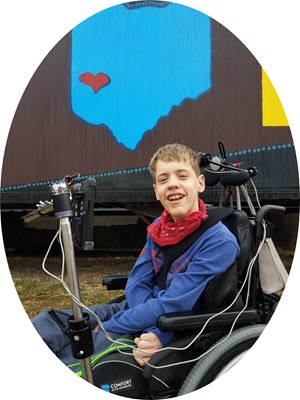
(40, 320)
(52, 327)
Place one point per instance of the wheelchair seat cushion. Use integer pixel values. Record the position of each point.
(120, 374)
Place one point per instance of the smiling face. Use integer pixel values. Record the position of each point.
(177, 187)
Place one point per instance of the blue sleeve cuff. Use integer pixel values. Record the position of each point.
(165, 338)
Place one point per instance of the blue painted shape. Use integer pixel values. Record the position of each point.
(155, 59)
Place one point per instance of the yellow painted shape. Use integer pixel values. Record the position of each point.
(272, 111)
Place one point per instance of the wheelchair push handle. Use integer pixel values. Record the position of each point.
(260, 216)
(264, 210)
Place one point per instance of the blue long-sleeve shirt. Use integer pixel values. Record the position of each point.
(188, 275)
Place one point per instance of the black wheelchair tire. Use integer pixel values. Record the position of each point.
(209, 367)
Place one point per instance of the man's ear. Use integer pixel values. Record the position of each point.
(154, 188)
(201, 183)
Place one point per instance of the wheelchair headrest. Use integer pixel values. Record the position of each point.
(226, 178)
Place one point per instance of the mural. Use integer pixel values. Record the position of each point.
(132, 78)
(139, 65)
(273, 113)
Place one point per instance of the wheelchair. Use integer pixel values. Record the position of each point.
(231, 313)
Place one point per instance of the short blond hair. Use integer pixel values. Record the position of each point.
(175, 152)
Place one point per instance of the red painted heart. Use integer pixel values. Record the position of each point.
(96, 82)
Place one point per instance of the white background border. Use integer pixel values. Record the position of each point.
(29, 30)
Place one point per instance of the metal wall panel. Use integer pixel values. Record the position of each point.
(48, 141)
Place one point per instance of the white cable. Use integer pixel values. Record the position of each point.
(75, 299)
(131, 365)
(248, 275)
(58, 233)
(256, 194)
(48, 251)
(251, 180)
(63, 255)
(249, 271)
(116, 342)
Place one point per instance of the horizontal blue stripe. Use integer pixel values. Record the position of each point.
(141, 169)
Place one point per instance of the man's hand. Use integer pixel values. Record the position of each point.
(96, 329)
(146, 342)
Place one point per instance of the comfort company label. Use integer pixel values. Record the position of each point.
(118, 386)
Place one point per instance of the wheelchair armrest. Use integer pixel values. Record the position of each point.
(115, 282)
(184, 321)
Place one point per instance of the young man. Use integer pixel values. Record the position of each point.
(177, 184)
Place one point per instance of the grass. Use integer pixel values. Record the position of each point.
(39, 291)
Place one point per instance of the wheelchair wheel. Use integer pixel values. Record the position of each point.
(221, 358)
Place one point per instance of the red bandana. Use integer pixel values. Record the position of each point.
(165, 232)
